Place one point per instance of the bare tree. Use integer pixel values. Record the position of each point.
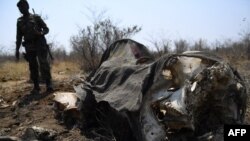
(93, 40)
(59, 53)
(200, 45)
(1, 49)
(246, 42)
(181, 46)
(161, 46)
(5, 55)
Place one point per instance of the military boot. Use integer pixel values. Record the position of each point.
(36, 88)
(49, 86)
(35, 91)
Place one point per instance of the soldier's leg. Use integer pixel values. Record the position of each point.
(45, 68)
(33, 67)
(41, 79)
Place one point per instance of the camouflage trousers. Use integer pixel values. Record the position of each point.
(38, 60)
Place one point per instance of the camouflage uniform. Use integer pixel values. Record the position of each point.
(32, 29)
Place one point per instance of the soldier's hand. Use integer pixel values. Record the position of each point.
(38, 32)
(41, 33)
(17, 56)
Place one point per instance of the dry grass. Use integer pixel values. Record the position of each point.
(66, 67)
(10, 70)
(13, 71)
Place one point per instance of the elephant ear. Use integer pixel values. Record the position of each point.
(121, 74)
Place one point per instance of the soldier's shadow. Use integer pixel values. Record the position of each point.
(29, 98)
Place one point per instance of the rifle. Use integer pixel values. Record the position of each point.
(49, 51)
(33, 11)
(44, 39)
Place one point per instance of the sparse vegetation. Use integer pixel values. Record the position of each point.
(93, 40)
(229, 50)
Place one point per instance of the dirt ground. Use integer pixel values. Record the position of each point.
(20, 110)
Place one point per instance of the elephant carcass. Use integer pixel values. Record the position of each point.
(188, 96)
(192, 96)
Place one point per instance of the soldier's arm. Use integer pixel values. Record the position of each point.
(42, 24)
(19, 37)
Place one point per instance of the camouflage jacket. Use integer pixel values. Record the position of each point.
(30, 29)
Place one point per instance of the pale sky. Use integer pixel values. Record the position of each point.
(169, 19)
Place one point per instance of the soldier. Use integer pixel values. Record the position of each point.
(32, 29)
